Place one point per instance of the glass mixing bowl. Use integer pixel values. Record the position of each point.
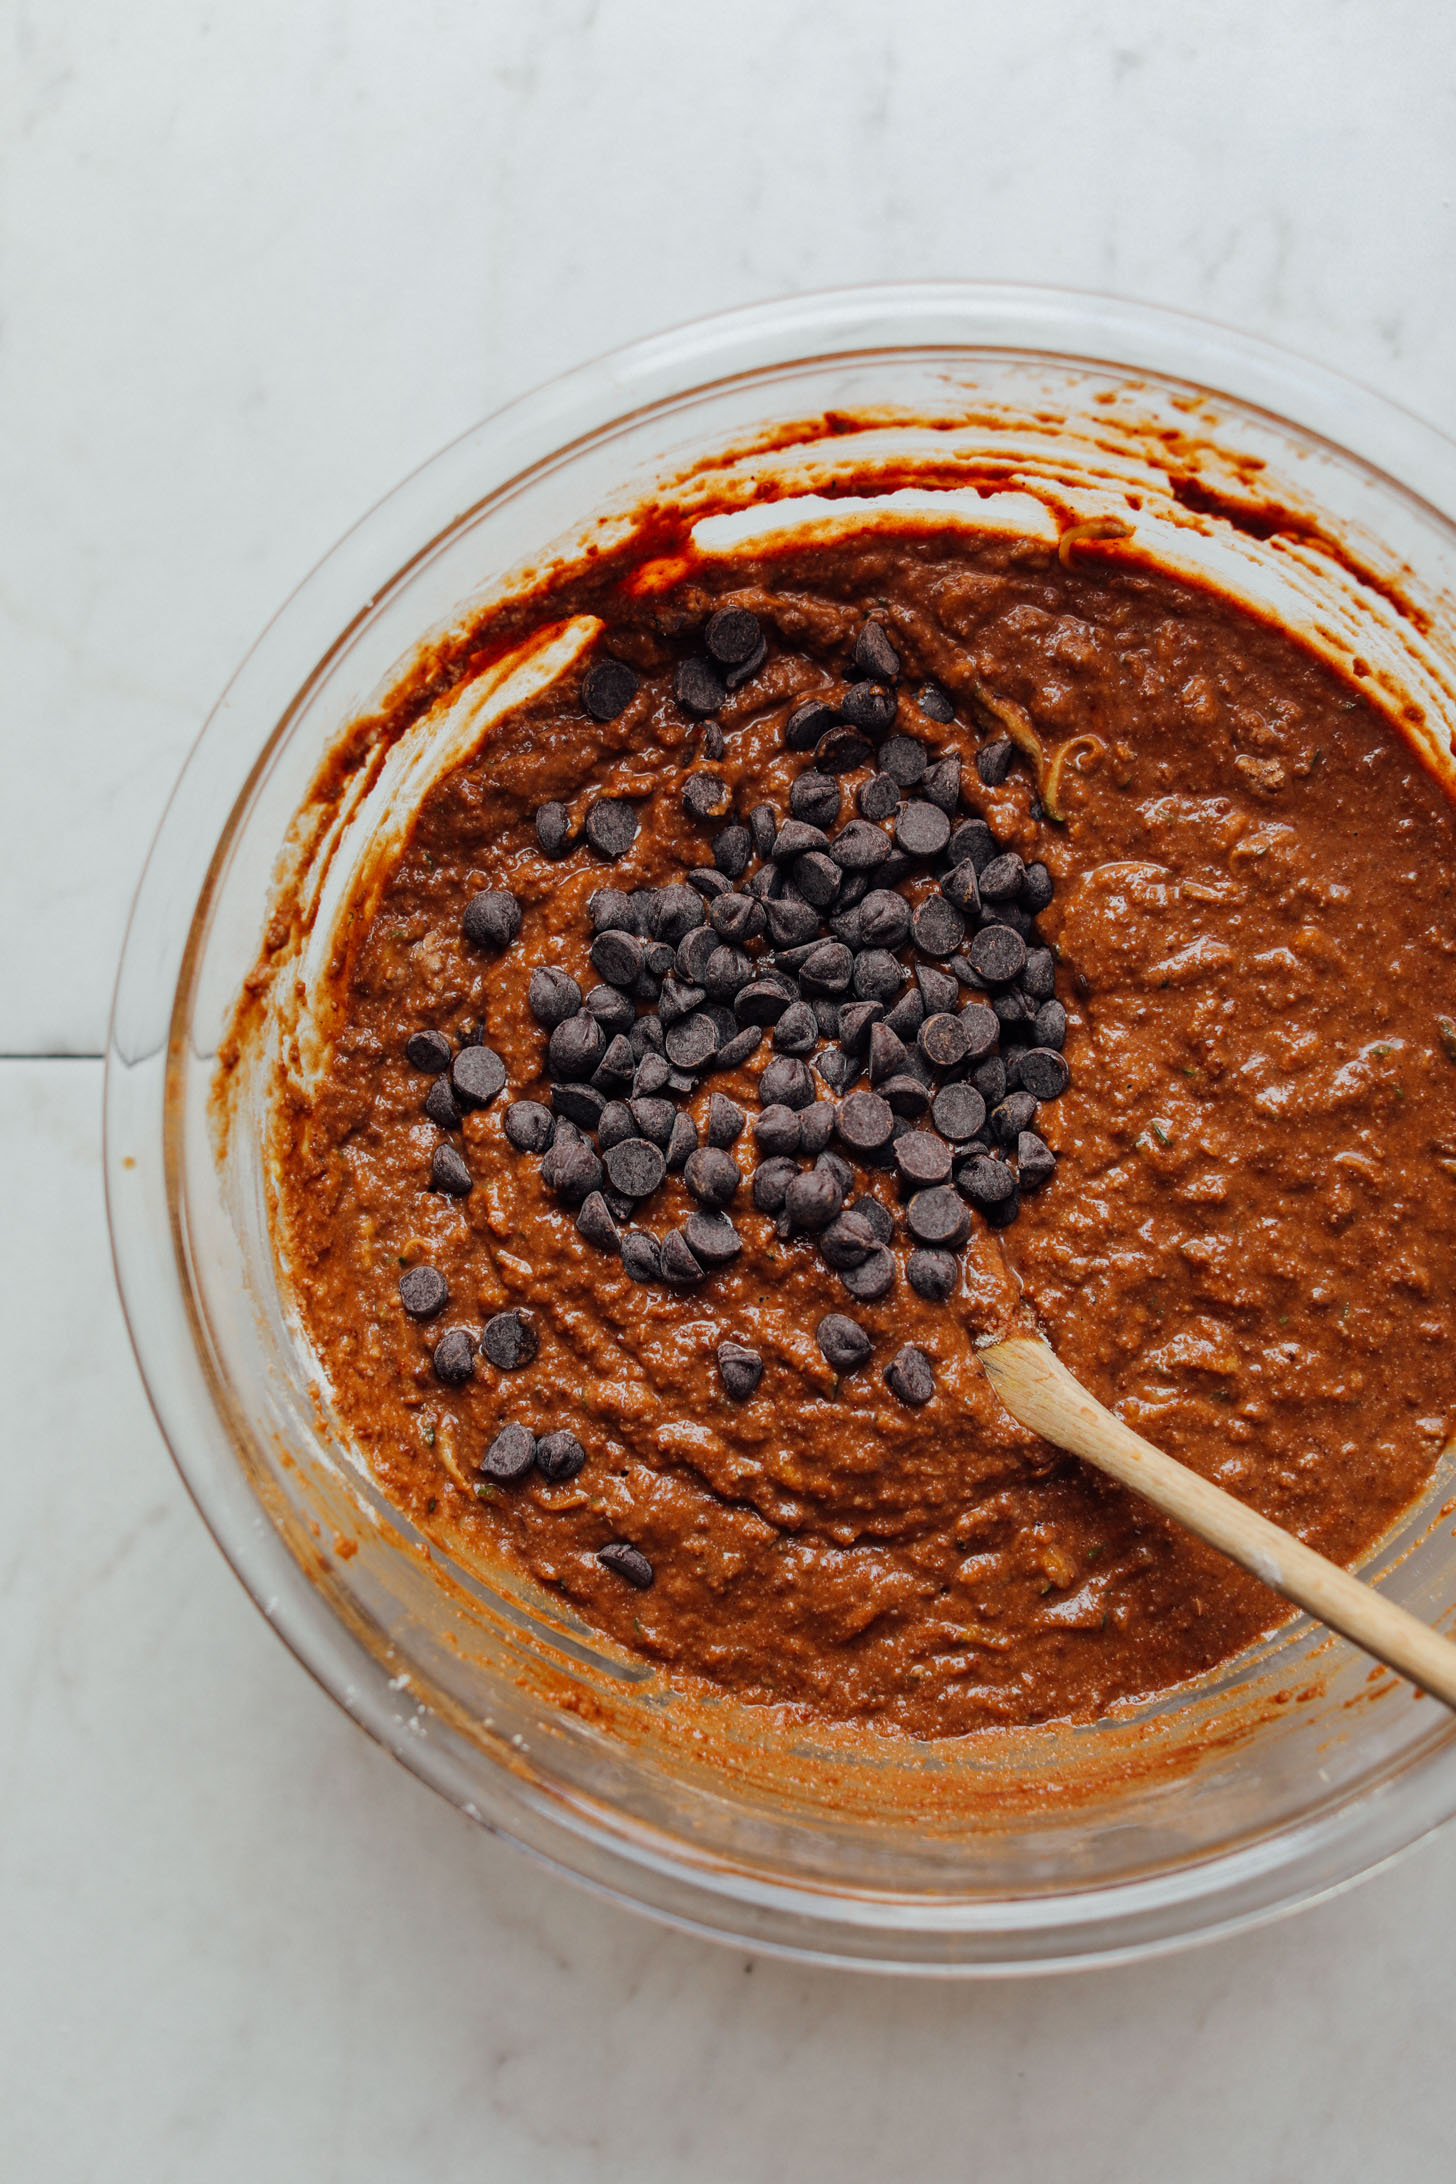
(1282, 1776)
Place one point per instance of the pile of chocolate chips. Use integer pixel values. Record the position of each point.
(913, 1030)
(890, 956)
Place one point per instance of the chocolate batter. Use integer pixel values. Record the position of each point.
(1247, 1246)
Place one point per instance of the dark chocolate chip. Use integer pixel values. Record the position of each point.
(874, 655)
(923, 1159)
(933, 1275)
(887, 1053)
(571, 1169)
(797, 1030)
(677, 910)
(575, 1048)
(855, 1021)
(815, 798)
(791, 923)
(937, 1217)
(938, 927)
(786, 1082)
(942, 1040)
(997, 954)
(1015, 1113)
(617, 957)
(616, 1123)
(680, 1269)
(807, 724)
(692, 1043)
(777, 1129)
(843, 1341)
(613, 911)
(873, 1278)
(740, 1370)
(816, 1128)
(958, 1112)
(986, 1182)
(654, 1119)
(733, 677)
(635, 1167)
(528, 1126)
(454, 1357)
(771, 1180)
(732, 848)
(624, 1560)
(733, 635)
(994, 761)
(813, 1200)
(960, 886)
(1039, 977)
(596, 1224)
(1036, 888)
(1036, 1163)
(761, 1002)
(910, 1376)
(441, 1105)
(938, 989)
(844, 749)
(428, 1050)
(877, 975)
(614, 1072)
(492, 918)
(878, 797)
(1044, 1073)
(864, 1122)
(559, 1455)
(848, 1241)
(817, 878)
(836, 1070)
(1001, 878)
(907, 1016)
(713, 1176)
(698, 687)
(884, 919)
(972, 840)
(423, 1292)
(922, 829)
(552, 996)
(509, 1341)
(726, 972)
(510, 1455)
(553, 829)
(796, 838)
(705, 797)
(641, 1256)
(878, 1216)
(579, 1103)
(652, 1070)
(942, 785)
(449, 1173)
(712, 1238)
(903, 759)
(1014, 1013)
(906, 1095)
(1050, 1029)
(611, 827)
(934, 704)
(763, 827)
(989, 1079)
(981, 1027)
(827, 968)
(608, 688)
(860, 847)
(476, 1075)
(683, 1142)
(726, 1121)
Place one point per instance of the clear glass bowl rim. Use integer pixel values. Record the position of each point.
(1105, 1924)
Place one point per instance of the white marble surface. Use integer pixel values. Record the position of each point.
(255, 263)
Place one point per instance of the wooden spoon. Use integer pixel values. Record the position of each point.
(1040, 1393)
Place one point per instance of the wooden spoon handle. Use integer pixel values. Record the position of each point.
(1040, 1393)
